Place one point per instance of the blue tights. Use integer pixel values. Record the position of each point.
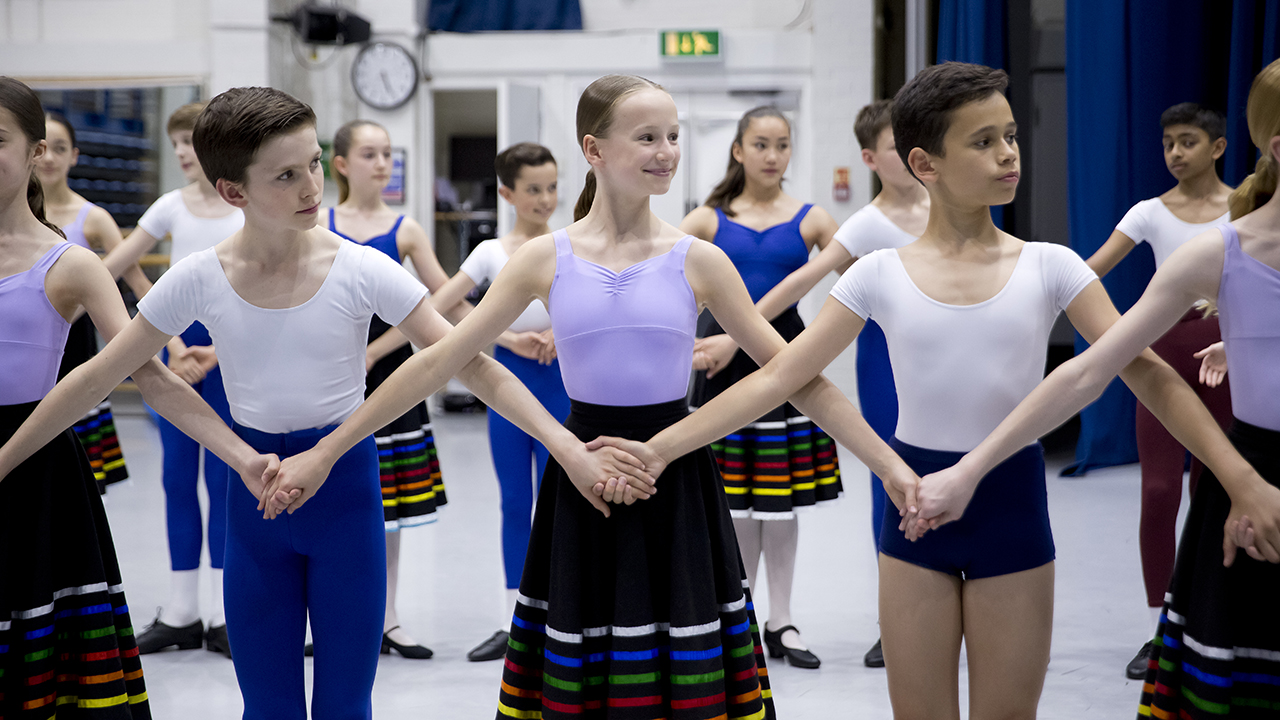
(326, 561)
(517, 456)
(180, 476)
(879, 400)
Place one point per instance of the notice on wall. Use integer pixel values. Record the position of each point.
(394, 192)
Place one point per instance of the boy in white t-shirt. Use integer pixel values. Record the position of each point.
(896, 216)
(195, 218)
(1194, 138)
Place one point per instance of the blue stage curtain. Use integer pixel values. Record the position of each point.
(1254, 27)
(973, 31)
(1127, 61)
(489, 15)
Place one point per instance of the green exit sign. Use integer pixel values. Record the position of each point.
(690, 44)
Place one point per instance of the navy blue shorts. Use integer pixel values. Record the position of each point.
(1004, 530)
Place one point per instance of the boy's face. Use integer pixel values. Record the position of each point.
(884, 161)
(981, 163)
(283, 184)
(185, 152)
(535, 194)
(1189, 152)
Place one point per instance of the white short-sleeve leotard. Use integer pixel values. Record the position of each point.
(294, 368)
(1151, 221)
(190, 234)
(960, 369)
(483, 265)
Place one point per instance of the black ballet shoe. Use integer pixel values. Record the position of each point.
(413, 652)
(215, 640)
(495, 648)
(798, 658)
(157, 636)
(1137, 667)
(874, 657)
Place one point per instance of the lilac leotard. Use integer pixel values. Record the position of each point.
(623, 338)
(75, 231)
(1248, 308)
(32, 333)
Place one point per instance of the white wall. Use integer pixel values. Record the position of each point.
(703, 14)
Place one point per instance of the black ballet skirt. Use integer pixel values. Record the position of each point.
(782, 461)
(66, 641)
(408, 466)
(97, 429)
(644, 614)
(1217, 649)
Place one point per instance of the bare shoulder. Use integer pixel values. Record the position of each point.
(818, 225)
(702, 223)
(412, 231)
(706, 260)
(100, 221)
(75, 270)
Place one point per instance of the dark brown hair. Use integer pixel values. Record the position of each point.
(871, 121)
(184, 118)
(521, 155)
(1263, 115)
(735, 177)
(595, 115)
(20, 100)
(1195, 115)
(922, 109)
(237, 122)
(342, 146)
(65, 123)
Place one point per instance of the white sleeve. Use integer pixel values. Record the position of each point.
(386, 287)
(852, 235)
(479, 263)
(1066, 273)
(157, 221)
(1135, 224)
(173, 303)
(856, 288)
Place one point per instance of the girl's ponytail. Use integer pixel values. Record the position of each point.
(35, 199)
(588, 196)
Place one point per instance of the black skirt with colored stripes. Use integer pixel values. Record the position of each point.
(412, 489)
(643, 614)
(1218, 643)
(782, 461)
(97, 429)
(66, 641)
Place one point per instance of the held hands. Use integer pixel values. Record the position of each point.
(601, 464)
(186, 364)
(298, 479)
(538, 346)
(1213, 366)
(943, 498)
(713, 353)
(1253, 525)
(259, 472)
(619, 490)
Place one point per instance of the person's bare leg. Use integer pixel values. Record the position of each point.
(779, 540)
(920, 625)
(748, 532)
(393, 580)
(1008, 625)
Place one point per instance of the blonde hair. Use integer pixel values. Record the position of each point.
(595, 115)
(342, 146)
(1263, 114)
(184, 118)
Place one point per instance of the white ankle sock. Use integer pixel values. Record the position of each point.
(183, 607)
(216, 615)
(1155, 617)
(511, 606)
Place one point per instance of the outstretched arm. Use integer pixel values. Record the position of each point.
(1111, 253)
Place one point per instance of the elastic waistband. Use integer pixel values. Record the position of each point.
(253, 435)
(12, 416)
(944, 457)
(1254, 436)
(628, 416)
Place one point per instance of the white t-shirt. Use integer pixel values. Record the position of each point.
(294, 368)
(869, 230)
(960, 369)
(1151, 221)
(190, 234)
(483, 265)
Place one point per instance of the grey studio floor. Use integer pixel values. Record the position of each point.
(451, 593)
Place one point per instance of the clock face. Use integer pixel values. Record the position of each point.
(385, 75)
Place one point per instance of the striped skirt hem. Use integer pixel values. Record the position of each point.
(409, 470)
(97, 433)
(772, 469)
